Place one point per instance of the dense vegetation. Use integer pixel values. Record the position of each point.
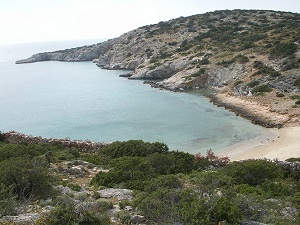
(170, 186)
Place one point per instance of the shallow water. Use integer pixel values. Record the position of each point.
(78, 100)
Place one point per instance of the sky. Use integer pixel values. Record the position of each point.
(52, 20)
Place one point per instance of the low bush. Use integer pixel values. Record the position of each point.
(253, 83)
(69, 212)
(284, 50)
(279, 94)
(241, 59)
(27, 178)
(200, 72)
(133, 148)
(204, 61)
(253, 172)
(297, 82)
(294, 97)
(2, 137)
(262, 88)
(236, 83)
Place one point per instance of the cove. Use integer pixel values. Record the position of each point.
(81, 101)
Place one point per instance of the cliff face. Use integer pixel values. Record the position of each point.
(216, 49)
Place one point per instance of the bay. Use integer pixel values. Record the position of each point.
(78, 100)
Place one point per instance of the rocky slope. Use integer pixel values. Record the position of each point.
(243, 52)
(211, 49)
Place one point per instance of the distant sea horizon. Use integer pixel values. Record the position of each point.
(78, 100)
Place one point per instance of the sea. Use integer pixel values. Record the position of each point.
(80, 101)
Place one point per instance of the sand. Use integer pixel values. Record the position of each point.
(276, 143)
(280, 144)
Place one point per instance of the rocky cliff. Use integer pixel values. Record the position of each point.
(215, 49)
(84, 53)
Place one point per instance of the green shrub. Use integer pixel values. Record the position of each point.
(124, 217)
(67, 211)
(262, 88)
(291, 63)
(264, 70)
(8, 201)
(241, 58)
(253, 83)
(204, 61)
(185, 45)
(253, 172)
(275, 189)
(226, 209)
(236, 83)
(246, 189)
(208, 181)
(124, 203)
(258, 64)
(27, 177)
(297, 82)
(173, 43)
(96, 158)
(133, 148)
(293, 160)
(164, 181)
(103, 205)
(295, 97)
(2, 137)
(279, 94)
(297, 102)
(11, 151)
(74, 187)
(226, 63)
(131, 172)
(284, 50)
(200, 72)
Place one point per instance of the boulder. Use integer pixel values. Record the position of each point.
(120, 194)
(137, 219)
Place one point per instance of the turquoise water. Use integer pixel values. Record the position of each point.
(78, 100)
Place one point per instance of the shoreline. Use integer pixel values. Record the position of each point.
(285, 144)
(239, 108)
(280, 141)
(282, 138)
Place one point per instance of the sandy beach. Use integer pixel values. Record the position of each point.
(277, 143)
(280, 144)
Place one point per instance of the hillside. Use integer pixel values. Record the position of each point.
(253, 54)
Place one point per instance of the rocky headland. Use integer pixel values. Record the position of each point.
(247, 55)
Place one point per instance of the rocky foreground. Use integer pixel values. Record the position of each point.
(249, 54)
